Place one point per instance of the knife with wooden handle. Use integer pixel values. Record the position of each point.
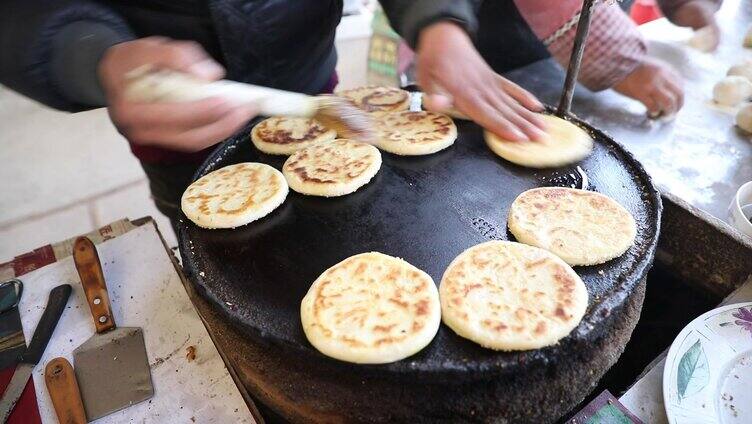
(63, 388)
(28, 360)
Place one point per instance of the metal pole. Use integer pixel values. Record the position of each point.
(565, 103)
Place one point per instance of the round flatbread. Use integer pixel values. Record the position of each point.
(285, 136)
(332, 168)
(564, 143)
(581, 227)
(415, 133)
(371, 308)
(377, 99)
(509, 296)
(234, 195)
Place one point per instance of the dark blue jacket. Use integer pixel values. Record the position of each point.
(49, 50)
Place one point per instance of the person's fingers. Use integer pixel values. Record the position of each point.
(208, 135)
(196, 138)
(189, 56)
(677, 90)
(182, 116)
(651, 104)
(665, 99)
(437, 102)
(524, 97)
(488, 117)
(504, 106)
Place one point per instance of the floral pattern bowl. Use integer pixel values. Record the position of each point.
(708, 373)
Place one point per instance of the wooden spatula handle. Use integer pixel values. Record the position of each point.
(92, 278)
(63, 388)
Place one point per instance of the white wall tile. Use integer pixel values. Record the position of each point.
(132, 202)
(28, 235)
(54, 159)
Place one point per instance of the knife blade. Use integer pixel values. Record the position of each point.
(31, 356)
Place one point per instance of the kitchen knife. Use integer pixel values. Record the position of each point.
(31, 356)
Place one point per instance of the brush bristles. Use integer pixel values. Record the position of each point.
(345, 118)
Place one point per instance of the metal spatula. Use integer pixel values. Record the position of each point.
(111, 367)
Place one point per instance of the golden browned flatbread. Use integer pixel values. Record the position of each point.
(564, 143)
(332, 168)
(582, 227)
(285, 136)
(234, 195)
(415, 133)
(371, 308)
(377, 99)
(509, 296)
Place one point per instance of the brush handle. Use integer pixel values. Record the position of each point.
(170, 86)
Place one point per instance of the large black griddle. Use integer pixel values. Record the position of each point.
(424, 209)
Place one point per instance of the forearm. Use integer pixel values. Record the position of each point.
(50, 54)
(409, 17)
(614, 47)
(676, 11)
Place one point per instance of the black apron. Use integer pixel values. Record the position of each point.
(504, 39)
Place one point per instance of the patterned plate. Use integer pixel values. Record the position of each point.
(708, 371)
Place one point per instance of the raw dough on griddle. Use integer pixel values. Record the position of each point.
(744, 117)
(415, 133)
(581, 227)
(564, 143)
(332, 168)
(285, 136)
(378, 99)
(732, 90)
(371, 308)
(509, 296)
(742, 70)
(234, 195)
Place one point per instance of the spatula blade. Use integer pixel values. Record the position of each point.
(112, 370)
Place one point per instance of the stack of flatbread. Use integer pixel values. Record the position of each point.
(400, 131)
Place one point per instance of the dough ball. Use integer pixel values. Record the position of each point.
(744, 117)
(742, 70)
(732, 90)
(704, 39)
(748, 38)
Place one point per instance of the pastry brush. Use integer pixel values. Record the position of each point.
(149, 85)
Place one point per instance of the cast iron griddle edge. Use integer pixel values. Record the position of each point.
(588, 329)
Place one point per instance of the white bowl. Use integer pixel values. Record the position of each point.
(740, 210)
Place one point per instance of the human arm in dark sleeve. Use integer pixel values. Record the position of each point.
(49, 51)
(409, 17)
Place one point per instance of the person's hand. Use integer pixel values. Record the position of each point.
(656, 85)
(699, 14)
(187, 126)
(452, 73)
